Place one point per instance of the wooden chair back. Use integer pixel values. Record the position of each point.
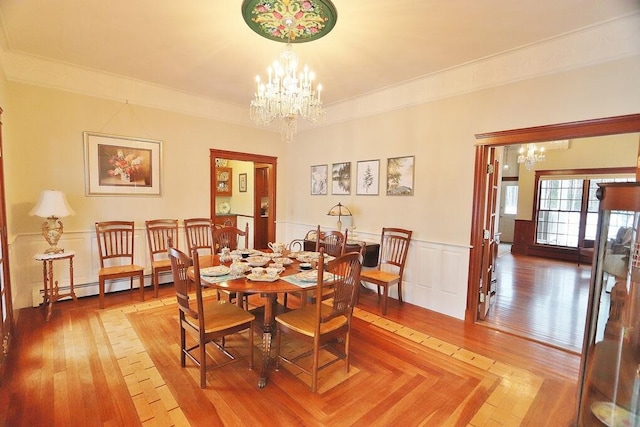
(115, 242)
(198, 235)
(394, 246)
(180, 262)
(158, 232)
(229, 237)
(344, 282)
(334, 242)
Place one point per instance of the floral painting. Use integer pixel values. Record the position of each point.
(130, 167)
(341, 178)
(116, 165)
(367, 178)
(400, 176)
(319, 179)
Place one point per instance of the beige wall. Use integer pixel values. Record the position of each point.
(441, 136)
(44, 149)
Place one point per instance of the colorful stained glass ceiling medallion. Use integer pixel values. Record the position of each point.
(290, 21)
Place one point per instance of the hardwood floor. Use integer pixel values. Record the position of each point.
(120, 366)
(541, 299)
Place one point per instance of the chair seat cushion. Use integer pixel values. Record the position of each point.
(219, 315)
(302, 320)
(120, 269)
(162, 263)
(379, 277)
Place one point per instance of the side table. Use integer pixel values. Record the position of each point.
(51, 289)
(371, 250)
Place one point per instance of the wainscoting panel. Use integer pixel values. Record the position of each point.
(435, 273)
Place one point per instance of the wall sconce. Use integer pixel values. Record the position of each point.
(52, 205)
(339, 210)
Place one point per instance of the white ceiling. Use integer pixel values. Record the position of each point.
(204, 47)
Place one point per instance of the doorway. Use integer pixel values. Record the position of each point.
(268, 188)
(486, 145)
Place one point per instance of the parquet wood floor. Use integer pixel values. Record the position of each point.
(120, 366)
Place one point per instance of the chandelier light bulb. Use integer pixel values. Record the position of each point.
(530, 154)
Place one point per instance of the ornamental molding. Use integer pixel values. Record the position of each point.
(609, 41)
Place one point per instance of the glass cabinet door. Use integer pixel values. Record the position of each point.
(610, 370)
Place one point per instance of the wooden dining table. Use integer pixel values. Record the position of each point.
(268, 290)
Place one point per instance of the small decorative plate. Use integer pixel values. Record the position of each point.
(218, 270)
(284, 261)
(224, 207)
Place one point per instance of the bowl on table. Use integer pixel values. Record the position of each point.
(258, 261)
(283, 260)
(305, 266)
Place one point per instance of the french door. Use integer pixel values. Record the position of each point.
(6, 309)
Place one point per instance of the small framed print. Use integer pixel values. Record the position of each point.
(368, 177)
(341, 178)
(242, 182)
(319, 174)
(400, 173)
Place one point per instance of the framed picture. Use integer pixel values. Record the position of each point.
(319, 179)
(121, 165)
(400, 176)
(368, 177)
(242, 182)
(341, 178)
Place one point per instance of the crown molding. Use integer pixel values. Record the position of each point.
(609, 41)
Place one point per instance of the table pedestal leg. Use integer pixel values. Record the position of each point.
(267, 337)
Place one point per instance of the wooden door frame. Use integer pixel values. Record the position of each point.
(246, 157)
(486, 141)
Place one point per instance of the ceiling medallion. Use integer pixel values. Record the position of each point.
(290, 21)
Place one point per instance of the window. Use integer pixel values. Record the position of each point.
(565, 211)
(510, 199)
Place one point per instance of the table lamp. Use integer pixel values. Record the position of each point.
(339, 210)
(52, 205)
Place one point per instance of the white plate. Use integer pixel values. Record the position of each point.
(284, 261)
(612, 415)
(308, 276)
(262, 278)
(218, 270)
(224, 207)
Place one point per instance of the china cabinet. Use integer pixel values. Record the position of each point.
(224, 181)
(609, 386)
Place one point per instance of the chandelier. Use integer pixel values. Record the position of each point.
(529, 154)
(288, 93)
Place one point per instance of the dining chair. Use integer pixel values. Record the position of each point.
(229, 237)
(394, 246)
(115, 250)
(333, 242)
(297, 245)
(198, 235)
(205, 321)
(158, 231)
(324, 324)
